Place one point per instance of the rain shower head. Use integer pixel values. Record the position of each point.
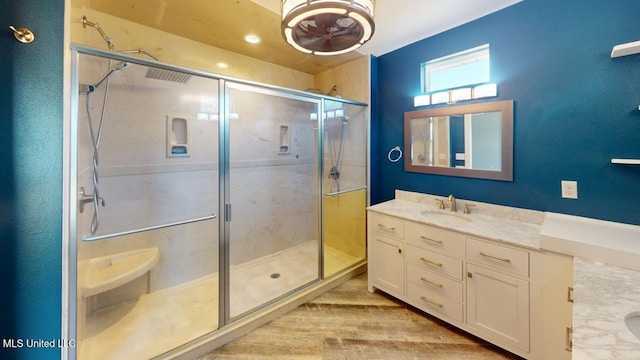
(167, 75)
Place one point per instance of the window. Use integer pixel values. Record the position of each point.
(464, 68)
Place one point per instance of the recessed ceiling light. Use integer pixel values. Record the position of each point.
(222, 65)
(252, 39)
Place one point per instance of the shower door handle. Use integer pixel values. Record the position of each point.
(227, 212)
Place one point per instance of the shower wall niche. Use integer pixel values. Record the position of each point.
(177, 136)
(203, 201)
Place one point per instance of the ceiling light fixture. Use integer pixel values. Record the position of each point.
(327, 27)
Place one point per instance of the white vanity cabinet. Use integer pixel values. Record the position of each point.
(481, 286)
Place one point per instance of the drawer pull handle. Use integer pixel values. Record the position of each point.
(431, 262)
(431, 282)
(390, 228)
(431, 302)
(495, 257)
(432, 240)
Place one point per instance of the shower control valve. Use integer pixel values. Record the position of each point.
(334, 173)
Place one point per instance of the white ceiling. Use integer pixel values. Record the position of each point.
(402, 22)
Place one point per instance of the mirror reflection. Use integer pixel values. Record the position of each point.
(469, 140)
(461, 140)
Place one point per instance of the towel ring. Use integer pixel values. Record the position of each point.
(389, 156)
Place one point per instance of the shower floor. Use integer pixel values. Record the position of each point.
(167, 318)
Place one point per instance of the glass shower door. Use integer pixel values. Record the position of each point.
(344, 197)
(273, 196)
(146, 159)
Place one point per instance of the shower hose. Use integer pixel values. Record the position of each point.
(95, 141)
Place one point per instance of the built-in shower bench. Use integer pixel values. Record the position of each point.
(109, 272)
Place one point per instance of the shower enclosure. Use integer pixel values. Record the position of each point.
(201, 200)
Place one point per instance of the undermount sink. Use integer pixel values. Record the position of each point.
(445, 216)
(633, 323)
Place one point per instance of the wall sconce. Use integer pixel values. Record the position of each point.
(485, 90)
(459, 94)
(455, 95)
(440, 97)
(422, 100)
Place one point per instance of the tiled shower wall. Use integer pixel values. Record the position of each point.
(140, 185)
(273, 195)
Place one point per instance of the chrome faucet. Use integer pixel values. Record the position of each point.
(452, 203)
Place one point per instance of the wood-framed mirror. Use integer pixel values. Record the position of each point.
(474, 140)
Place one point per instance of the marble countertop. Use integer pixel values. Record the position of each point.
(513, 226)
(603, 296)
(605, 241)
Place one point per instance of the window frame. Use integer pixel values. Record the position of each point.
(461, 58)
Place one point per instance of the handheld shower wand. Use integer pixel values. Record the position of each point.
(119, 66)
(95, 141)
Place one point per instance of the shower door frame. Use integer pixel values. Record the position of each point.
(225, 195)
(70, 233)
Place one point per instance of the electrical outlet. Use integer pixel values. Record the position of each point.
(569, 189)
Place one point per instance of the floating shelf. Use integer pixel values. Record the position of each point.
(626, 161)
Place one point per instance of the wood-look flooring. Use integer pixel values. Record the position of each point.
(351, 323)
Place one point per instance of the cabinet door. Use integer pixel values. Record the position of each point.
(498, 306)
(388, 264)
(557, 306)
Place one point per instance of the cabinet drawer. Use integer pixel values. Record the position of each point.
(386, 224)
(434, 303)
(432, 238)
(435, 262)
(435, 283)
(498, 257)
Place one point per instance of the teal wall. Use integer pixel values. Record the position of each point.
(31, 119)
(575, 107)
